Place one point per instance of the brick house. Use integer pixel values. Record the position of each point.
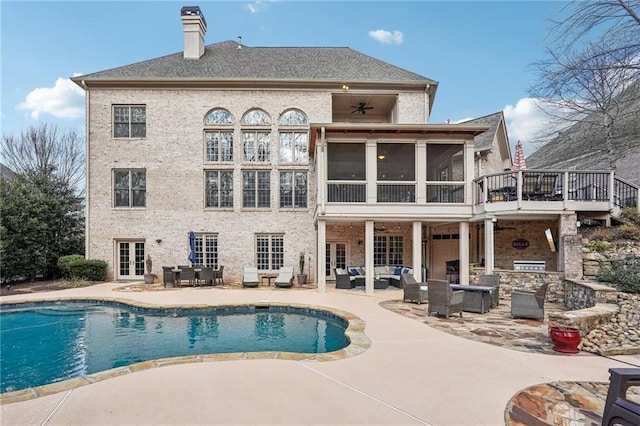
(267, 153)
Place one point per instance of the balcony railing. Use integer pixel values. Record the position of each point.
(346, 192)
(396, 193)
(550, 185)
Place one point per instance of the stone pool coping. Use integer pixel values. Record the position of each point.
(358, 343)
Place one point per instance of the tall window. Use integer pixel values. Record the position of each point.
(206, 250)
(269, 252)
(129, 121)
(219, 145)
(294, 142)
(256, 189)
(387, 250)
(293, 189)
(218, 188)
(130, 188)
(218, 142)
(256, 140)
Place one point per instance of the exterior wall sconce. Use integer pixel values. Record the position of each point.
(159, 240)
(359, 242)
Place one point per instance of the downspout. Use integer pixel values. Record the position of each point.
(86, 170)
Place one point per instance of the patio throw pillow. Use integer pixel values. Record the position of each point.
(353, 271)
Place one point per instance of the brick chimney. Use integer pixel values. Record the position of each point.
(194, 28)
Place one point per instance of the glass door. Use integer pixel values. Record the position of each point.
(336, 257)
(130, 260)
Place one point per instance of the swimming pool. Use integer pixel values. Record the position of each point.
(49, 342)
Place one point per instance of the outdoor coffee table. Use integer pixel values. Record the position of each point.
(477, 298)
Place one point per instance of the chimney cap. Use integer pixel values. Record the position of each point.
(192, 10)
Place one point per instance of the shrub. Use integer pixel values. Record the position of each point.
(91, 270)
(597, 245)
(65, 262)
(631, 215)
(625, 274)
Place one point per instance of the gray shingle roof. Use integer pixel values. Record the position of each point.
(231, 61)
(582, 147)
(484, 141)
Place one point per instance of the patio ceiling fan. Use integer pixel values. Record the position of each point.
(361, 108)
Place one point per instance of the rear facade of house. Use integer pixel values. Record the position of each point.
(270, 154)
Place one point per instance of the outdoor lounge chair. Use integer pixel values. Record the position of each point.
(491, 281)
(250, 277)
(442, 299)
(529, 186)
(285, 277)
(413, 290)
(528, 304)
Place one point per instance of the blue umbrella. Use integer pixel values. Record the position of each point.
(192, 247)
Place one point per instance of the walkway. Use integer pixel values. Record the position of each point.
(411, 374)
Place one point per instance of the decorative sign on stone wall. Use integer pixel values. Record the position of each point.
(520, 244)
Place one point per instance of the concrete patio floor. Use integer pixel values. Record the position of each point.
(412, 373)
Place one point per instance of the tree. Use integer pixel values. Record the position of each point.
(45, 151)
(41, 211)
(591, 73)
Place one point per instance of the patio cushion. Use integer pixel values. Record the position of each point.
(398, 270)
(353, 271)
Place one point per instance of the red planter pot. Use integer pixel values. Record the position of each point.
(565, 339)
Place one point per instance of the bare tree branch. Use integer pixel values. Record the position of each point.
(44, 151)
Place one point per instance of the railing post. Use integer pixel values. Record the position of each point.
(519, 189)
(565, 189)
(612, 195)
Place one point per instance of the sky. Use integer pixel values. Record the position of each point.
(480, 52)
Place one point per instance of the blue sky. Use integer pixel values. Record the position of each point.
(480, 52)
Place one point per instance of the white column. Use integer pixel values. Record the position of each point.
(322, 256)
(372, 171)
(368, 257)
(488, 246)
(463, 245)
(417, 251)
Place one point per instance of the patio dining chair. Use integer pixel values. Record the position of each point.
(250, 277)
(205, 275)
(187, 273)
(285, 277)
(217, 276)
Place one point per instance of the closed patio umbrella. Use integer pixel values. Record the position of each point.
(519, 162)
(192, 247)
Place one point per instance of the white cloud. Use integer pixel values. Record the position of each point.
(256, 6)
(526, 123)
(64, 100)
(387, 37)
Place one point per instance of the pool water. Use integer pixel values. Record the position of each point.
(44, 343)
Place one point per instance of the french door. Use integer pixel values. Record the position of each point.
(130, 260)
(336, 257)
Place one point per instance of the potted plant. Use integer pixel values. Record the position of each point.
(149, 277)
(302, 277)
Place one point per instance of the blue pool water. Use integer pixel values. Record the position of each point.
(48, 342)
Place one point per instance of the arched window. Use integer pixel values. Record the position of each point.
(218, 116)
(218, 141)
(256, 141)
(294, 137)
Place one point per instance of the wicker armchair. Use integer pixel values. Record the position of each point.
(413, 290)
(343, 279)
(491, 281)
(187, 273)
(250, 277)
(217, 276)
(442, 299)
(528, 304)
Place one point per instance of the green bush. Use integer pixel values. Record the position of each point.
(90, 270)
(624, 274)
(597, 245)
(65, 262)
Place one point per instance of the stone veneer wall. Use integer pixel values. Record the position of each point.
(618, 250)
(619, 335)
(526, 280)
